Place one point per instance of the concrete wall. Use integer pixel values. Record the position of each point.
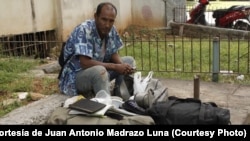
(125, 15)
(22, 16)
(153, 13)
(26, 16)
(157, 13)
(73, 13)
(148, 12)
(76, 11)
(44, 15)
(15, 17)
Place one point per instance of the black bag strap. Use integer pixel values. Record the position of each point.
(184, 99)
(173, 99)
(62, 65)
(60, 73)
(202, 114)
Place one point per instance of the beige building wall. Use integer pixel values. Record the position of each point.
(125, 14)
(73, 13)
(45, 16)
(148, 12)
(15, 16)
(76, 11)
(27, 16)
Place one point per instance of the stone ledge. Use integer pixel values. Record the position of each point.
(184, 29)
(35, 113)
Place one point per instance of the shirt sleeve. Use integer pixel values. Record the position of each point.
(82, 44)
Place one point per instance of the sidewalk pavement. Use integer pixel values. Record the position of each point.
(235, 97)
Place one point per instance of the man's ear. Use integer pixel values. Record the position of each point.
(95, 15)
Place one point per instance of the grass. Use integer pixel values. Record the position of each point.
(182, 58)
(12, 80)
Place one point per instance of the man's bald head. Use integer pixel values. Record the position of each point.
(101, 5)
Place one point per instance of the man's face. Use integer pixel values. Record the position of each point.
(105, 20)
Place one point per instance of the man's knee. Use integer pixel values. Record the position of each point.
(100, 71)
(129, 60)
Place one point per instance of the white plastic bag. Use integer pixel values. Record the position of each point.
(148, 90)
(102, 97)
(140, 84)
(137, 82)
(146, 80)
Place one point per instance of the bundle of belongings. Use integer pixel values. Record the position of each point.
(101, 110)
(141, 101)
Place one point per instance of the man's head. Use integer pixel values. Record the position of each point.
(105, 17)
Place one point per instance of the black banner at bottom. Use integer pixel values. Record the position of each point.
(241, 132)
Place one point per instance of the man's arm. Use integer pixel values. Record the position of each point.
(115, 58)
(87, 62)
(116, 64)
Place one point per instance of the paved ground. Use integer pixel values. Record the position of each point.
(234, 97)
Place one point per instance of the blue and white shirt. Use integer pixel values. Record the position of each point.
(84, 40)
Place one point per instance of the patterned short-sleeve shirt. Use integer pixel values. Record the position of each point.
(84, 40)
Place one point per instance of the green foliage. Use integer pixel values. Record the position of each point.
(8, 108)
(10, 69)
(181, 58)
(13, 79)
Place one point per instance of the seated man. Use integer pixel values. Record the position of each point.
(92, 49)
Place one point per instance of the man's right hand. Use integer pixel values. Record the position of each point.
(124, 69)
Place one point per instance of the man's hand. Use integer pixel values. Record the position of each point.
(124, 69)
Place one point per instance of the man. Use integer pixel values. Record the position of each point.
(95, 60)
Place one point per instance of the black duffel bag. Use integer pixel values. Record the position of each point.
(189, 111)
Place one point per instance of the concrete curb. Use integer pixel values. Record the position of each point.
(35, 113)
